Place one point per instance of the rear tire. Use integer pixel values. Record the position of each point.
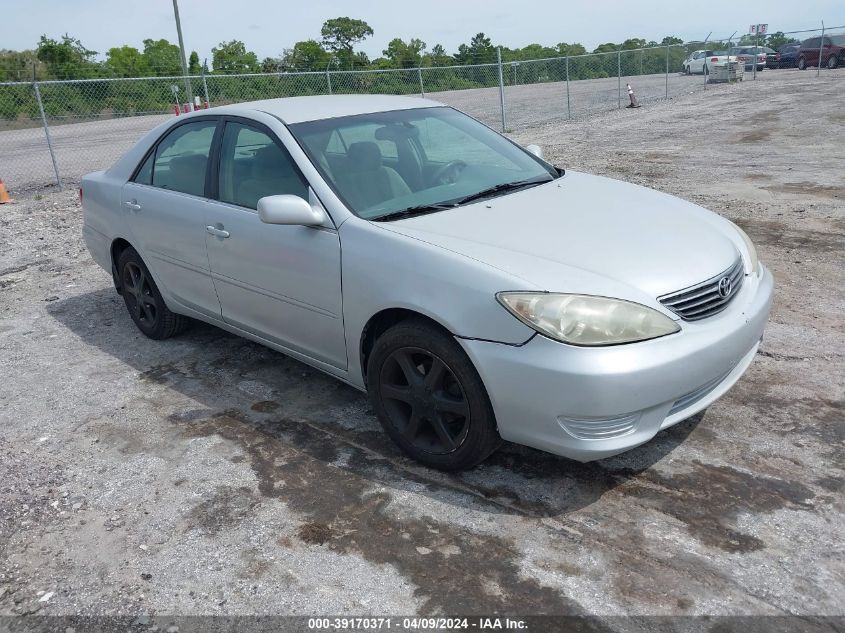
(429, 398)
(143, 299)
(832, 62)
(802, 63)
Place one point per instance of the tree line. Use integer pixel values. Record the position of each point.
(335, 50)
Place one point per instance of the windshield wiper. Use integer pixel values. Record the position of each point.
(410, 212)
(505, 186)
(451, 204)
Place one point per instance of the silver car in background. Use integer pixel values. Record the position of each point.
(476, 292)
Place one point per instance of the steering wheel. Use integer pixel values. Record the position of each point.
(450, 173)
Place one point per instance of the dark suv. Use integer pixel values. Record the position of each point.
(832, 52)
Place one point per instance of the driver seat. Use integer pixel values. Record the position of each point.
(366, 182)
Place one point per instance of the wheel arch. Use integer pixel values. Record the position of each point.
(383, 320)
(116, 249)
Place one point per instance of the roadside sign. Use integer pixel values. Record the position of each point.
(759, 29)
(174, 88)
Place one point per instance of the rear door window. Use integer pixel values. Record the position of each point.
(181, 158)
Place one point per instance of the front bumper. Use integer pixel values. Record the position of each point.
(591, 403)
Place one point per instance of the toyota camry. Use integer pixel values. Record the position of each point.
(476, 292)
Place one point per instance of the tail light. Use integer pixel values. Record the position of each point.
(80, 195)
(714, 59)
(777, 57)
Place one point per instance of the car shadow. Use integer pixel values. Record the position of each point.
(243, 391)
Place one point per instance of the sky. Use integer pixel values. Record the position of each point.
(269, 26)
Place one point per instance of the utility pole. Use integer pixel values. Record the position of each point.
(182, 52)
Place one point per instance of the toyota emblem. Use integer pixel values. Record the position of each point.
(724, 286)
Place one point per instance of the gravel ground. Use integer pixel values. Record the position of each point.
(208, 475)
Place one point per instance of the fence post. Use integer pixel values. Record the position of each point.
(619, 79)
(47, 134)
(821, 48)
(419, 74)
(205, 84)
(667, 71)
(568, 108)
(501, 87)
(328, 79)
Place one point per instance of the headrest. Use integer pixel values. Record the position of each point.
(397, 132)
(364, 156)
(189, 163)
(269, 162)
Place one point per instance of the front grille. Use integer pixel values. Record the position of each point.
(707, 298)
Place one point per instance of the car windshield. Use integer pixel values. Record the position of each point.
(389, 164)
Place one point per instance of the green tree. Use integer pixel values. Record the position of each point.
(606, 48)
(232, 57)
(271, 65)
(194, 67)
(340, 36)
(66, 59)
(439, 57)
(568, 50)
(479, 51)
(633, 43)
(126, 61)
(306, 55)
(162, 57)
(18, 65)
(671, 40)
(777, 39)
(402, 55)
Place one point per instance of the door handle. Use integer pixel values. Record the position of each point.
(134, 206)
(213, 230)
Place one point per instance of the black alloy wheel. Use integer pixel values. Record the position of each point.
(424, 400)
(144, 301)
(429, 397)
(138, 295)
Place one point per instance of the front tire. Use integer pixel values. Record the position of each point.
(832, 62)
(802, 63)
(143, 299)
(429, 398)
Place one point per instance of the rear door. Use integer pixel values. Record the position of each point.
(165, 205)
(281, 283)
(810, 51)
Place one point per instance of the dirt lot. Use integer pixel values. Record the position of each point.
(208, 475)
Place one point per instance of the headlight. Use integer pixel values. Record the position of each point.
(587, 320)
(752, 252)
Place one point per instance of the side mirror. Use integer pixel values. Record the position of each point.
(536, 150)
(290, 210)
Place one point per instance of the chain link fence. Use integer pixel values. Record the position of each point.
(53, 132)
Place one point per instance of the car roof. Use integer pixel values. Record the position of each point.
(315, 108)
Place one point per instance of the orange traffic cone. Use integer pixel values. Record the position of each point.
(4, 195)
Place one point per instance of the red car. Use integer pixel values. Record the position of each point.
(832, 52)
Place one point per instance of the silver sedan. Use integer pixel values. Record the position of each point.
(475, 291)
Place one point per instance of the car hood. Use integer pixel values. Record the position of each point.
(587, 234)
